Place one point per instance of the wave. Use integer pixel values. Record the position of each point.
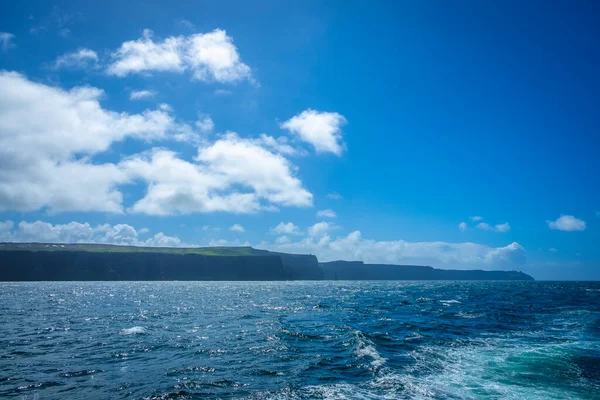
(136, 330)
(365, 348)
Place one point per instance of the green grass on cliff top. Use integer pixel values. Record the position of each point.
(106, 248)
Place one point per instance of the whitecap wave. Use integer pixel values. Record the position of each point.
(136, 330)
(366, 348)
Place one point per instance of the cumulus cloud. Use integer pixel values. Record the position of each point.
(334, 196)
(462, 226)
(476, 218)
(6, 228)
(567, 223)
(321, 129)
(141, 94)
(437, 254)
(282, 240)
(319, 229)
(208, 57)
(6, 41)
(162, 240)
(82, 58)
(224, 242)
(76, 232)
(328, 213)
(176, 186)
(286, 228)
(47, 138)
(236, 228)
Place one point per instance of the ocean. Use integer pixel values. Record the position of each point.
(300, 340)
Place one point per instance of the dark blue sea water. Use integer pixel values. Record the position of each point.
(300, 340)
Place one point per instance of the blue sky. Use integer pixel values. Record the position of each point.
(170, 123)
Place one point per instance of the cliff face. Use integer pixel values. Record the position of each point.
(298, 266)
(98, 266)
(357, 270)
(83, 262)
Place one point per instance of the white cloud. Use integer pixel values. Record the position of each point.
(141, 94)
(208, 56)
(224, 242)
(567, 223)
(462, 226)
(319, 229)
(223, 92)
(552, 250)
(184, 23)
(282, 240)
(82, 58)
(321, 129)
(144, 55)
(143, 231)
(328, 213)
(437, 254)
(48, 138)
(286, 228)
(205, 123)
(484, 225)
(476, 218)
(76, 232)
(162, 240)
(6, 230)
(505, 227)
(236, 228)
(232, 174)
(6, 41)
(279, 145)
(334, 196)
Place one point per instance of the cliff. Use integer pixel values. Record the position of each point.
(357, 270)
(91, 262)
(96, 266)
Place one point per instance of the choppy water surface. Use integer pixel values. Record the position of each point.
(300, 340)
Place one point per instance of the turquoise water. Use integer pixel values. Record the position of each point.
(300, 340)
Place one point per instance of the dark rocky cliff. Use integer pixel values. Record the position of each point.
(97, 266)
(83, 262)
(357, 270)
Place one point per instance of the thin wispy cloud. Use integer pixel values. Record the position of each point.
(82, 58)
(328, 213)
(141, 94)
(7, 41)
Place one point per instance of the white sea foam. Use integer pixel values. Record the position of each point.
(366, 348)
(136, 330)
(447, 302)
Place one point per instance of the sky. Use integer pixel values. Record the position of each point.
(453, 134)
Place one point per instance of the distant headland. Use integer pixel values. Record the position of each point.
(100, 262)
